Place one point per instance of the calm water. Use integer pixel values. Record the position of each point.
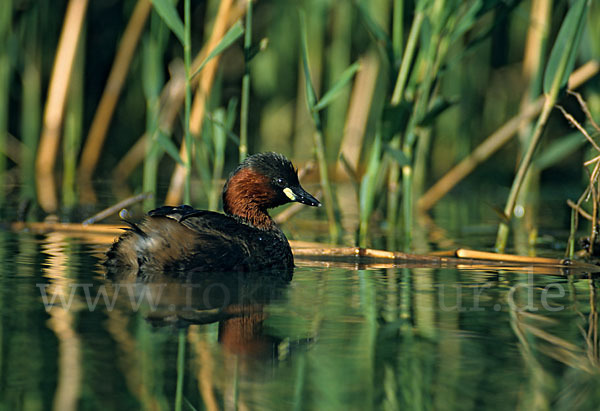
(337, 337)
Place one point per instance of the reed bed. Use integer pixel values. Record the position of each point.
(389, 96)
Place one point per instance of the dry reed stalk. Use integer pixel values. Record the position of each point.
(172, 97)
(532, 73)
(579, 127)
(585, 109)
(107, 212)
(358, 114)
(580, 210)
(114, 85)
(308, 244)
(13, 149)
(129, 162)
(461, 258)
(206, 79)
(71, 228)
(591, 189)
(532, 59)
(55, 104)
(496, 140)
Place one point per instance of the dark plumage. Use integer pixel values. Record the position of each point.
(183, 239)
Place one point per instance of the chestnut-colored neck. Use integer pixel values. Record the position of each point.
(247, 195)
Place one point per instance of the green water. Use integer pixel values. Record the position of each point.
(337, 337)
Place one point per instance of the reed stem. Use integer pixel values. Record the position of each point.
(319, 146)
(338, 59)
(410, 138)
(6, 12)
(368, 189)
(219, 135)
(153, 82)
(114, 84)
(187, 53)
(73, 127)
(5, 70)
(223, 21)
(398, 29)
(503, 229)
(55, 104)
(397, 96)
(550, 101)
(533, 72)
(245, 103)
(30, 124)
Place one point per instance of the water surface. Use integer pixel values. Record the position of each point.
(338, 336)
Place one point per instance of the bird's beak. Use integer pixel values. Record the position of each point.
(299, 195)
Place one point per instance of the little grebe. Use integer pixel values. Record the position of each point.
(245, 238)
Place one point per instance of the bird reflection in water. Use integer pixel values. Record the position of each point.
(237, 301)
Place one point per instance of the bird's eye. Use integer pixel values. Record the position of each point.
(279, 181)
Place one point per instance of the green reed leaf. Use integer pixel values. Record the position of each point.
(566, 45)
(168, 146)
(368, 187)
(234, 33)
(311, 97)
(397, 155)
(376, 31)
(439, 106)
(559, 150)
(168, 13)
(330, 95)
(395, 119)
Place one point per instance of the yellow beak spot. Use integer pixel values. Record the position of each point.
(289, 193)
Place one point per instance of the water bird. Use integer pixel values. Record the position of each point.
(244, 239)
